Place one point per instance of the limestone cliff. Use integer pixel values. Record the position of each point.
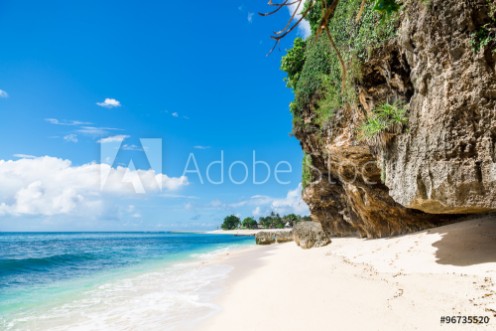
(409, 135)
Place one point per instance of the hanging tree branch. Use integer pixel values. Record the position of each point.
(277, 36)
(278, 5)
(341, 61)
(327, 15)
(293, 16)
(360, 12)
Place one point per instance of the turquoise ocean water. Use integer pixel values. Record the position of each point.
(110, 281)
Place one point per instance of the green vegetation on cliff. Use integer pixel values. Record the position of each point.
(321, 83)
(385, 118)
(485, 37)
(306, 175)
(292, 62)
(313, 67)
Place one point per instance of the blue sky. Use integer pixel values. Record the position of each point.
(76, 74)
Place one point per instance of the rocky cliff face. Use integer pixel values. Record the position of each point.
(445, 163)
(440, 160)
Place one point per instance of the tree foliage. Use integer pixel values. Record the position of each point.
(386, 6)
(231, 222)
(249, 223)
(323, 68)
(291, 219)
(292, 62)
(271, 221)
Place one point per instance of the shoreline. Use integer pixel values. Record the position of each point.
(160, 294)
(247, 232)
(405, 282)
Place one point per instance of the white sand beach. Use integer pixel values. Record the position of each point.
(401, 283)
(246, 232)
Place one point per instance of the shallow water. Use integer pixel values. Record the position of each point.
(109, 281)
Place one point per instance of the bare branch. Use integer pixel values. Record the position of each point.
(290, 26)
(326, 17)
(295, 12)
(341, 61)
(360, 12)
(279, 7)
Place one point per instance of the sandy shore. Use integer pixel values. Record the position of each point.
(401, 283)
(243, 232)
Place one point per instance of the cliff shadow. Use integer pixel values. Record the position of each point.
(468, 242)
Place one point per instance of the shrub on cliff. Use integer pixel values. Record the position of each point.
(484, 38)
(292, 62)
(385, 121)
(306, 171)
(313, 66)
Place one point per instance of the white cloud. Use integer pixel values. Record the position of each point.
(292, 203)
(109, 103)
(95, 131)
(304, 26)
(55, 121)
(263, 204)
(24, 156)
(3, 94)
(216, 203)
(250, 17)
(131, 210)
(83, 128)
(131, 147)
(179, 196)
(177, 115)
(113, 139)
(72, 138)
(201, 147)
(50, 186)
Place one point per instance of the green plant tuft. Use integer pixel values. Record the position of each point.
(386, 118)
(387, 7)
(485, 36)
(383, 176)
(306, 177)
